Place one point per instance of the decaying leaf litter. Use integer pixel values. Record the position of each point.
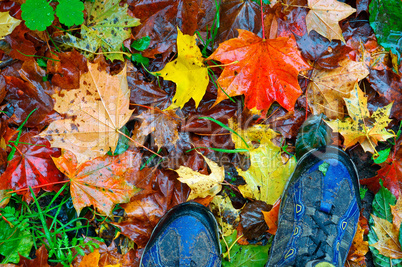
(114, 112)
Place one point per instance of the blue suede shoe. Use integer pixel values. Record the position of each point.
(319, 211)
(186, 236)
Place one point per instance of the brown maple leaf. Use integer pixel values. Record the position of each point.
(263, 70)
(388, 238)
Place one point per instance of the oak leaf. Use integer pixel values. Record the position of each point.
(263, 70)
(99, 182)
(324, 17)
(269, 170)
(327, 88)
(94, 114)
(202, 185)
(388, 238)
(7, 24)
(187, 71)
(361, 127)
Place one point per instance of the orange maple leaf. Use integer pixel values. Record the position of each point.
(263, 70)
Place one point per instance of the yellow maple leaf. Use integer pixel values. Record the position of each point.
(361, 127)
(202, 185)
(388, 242)
(269, 170)
(94, 114)
(324, 17)
(327, 88)
(187, 71)
(7, 24)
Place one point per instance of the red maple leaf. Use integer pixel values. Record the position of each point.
(266, 70)
(32, 165)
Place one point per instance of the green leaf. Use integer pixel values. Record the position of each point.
(381, 203)
(14, 240)
(38, 14)
(383, 155)
(106, 27)
(323, 167)
(313, 133)
(141, 44)
(122, 143)
(385, 19)
(70, 12)
(362, 192)
(381, 208)
(138, 58)
(245, 256)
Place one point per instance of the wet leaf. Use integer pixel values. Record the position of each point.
(95, 113)
(32, 165)
(252, 219)
(162, 124)
(99, 182)
(226, 215)
(314, 133)
(271, 217)
(359, 248)
(324, 17)
(40, 259)
(388, 238)
(387, 24)
(245, 256)
(70, 12)
(361, 126)
(38, 14)
(7, 24)
(187, 71)
(104, 28)
(263, 70)
(202, 185)
(269, 170)
(327, 88)
(19, 43)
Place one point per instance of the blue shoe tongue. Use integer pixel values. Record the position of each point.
(334, 175)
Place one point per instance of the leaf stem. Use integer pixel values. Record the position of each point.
(223, 65)
(131, 139)
(262, 21)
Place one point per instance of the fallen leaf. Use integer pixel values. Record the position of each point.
(28, 93)
(20, 44)
(396, 211)
(361, 127)
(67, 69)
(359, 248)
(202, 185)
(39, 261)
(90, 259)
(99, 182)
(187, 71)
(324, 17)
(327, 88)
(32, 166)
(271, 217)
(388, 242)
(105, 27)
(160, 18)
(269, 170)
(95, 113)
(252, 219)
(7, 24)
(161, 191)
(387, 25)
(162, 124)
(226, 215)
(263, 70)
(236, 15)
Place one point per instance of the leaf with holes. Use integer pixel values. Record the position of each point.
(99, 182)
(361, 126)
(105, 27)
(95, 114)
